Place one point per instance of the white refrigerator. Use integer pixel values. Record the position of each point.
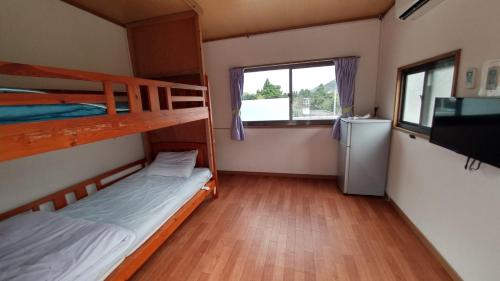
(363, 156)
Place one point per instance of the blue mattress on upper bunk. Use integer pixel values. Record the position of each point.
(43, 112)
(31, 113)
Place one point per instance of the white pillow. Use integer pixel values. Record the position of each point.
(173, 164)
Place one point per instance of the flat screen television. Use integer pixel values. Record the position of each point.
(469, 126)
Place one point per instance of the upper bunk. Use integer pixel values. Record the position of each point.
(144, 105)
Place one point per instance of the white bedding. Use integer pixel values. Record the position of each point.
(49, 246)
(139, 203)
(93, 235)
(176, 164)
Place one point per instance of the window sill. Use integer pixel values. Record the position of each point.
(411, 133)
(288, 124)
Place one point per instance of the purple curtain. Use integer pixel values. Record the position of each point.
(345, 74)
(236, 91)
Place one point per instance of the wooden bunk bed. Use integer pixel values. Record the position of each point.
(152, 106)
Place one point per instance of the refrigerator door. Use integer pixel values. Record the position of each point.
(368, 157)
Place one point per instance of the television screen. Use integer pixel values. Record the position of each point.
(469, 126)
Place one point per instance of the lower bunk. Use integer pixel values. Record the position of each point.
(106, 235)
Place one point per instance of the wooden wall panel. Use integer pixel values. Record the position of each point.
(192, 132)
(188, 132)
(166, 46)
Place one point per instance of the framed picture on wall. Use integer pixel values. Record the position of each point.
(470, 78)
(492, 78)
(490, 82)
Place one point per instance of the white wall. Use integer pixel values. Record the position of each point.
(458, 211)
(51, 32)
(288, 150)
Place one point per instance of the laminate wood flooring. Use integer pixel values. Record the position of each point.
(275, 228)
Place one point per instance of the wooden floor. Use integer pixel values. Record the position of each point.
(266, 228)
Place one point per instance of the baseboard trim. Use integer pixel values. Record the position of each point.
(283, 175)
(451, 272)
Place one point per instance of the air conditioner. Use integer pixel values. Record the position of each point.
(412, 9)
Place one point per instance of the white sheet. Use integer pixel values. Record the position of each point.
(49, 246)
(139, 203)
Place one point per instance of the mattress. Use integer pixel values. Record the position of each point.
(31, 113)
(140, 203)
(50, 246)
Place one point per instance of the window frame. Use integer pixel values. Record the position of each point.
(403, 72)
(290, 122)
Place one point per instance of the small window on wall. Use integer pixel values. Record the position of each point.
(418, 86)
(291, 94)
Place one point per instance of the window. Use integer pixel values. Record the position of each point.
(419, 84)
(291, 94)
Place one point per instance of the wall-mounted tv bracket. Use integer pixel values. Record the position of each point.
(469, 165)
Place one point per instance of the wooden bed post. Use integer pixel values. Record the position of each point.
(110, 99)
(211, 138)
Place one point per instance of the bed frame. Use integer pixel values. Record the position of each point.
(81, 190)
(149, 110)
(153, 105)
